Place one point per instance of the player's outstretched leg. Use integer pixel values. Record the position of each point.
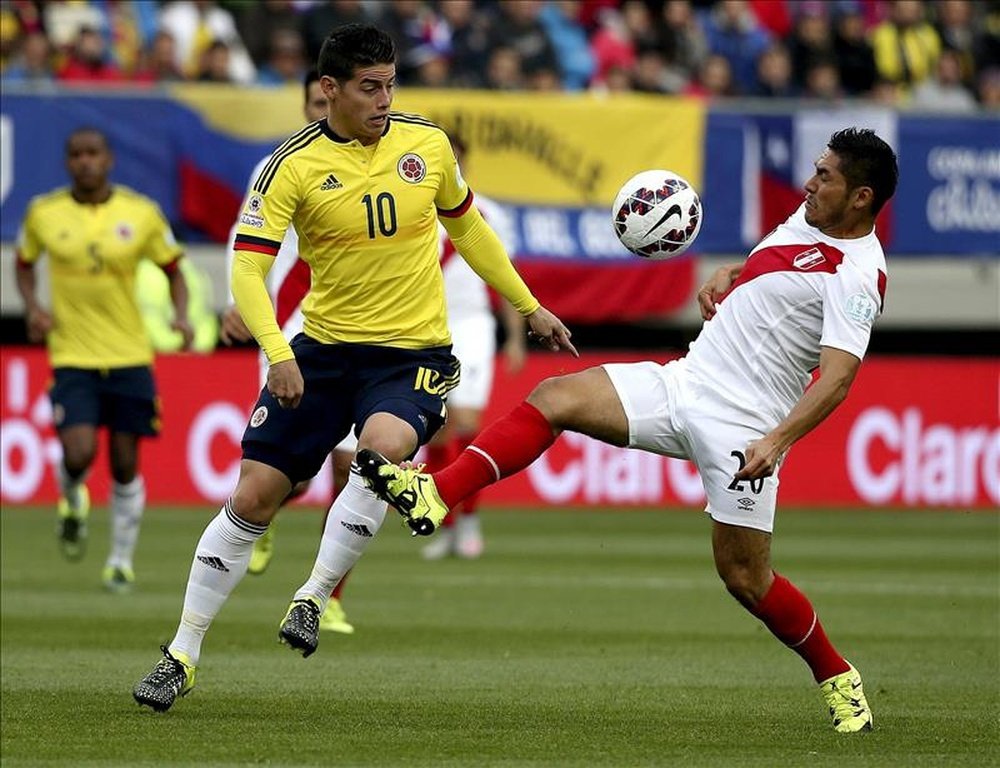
(300, 627)
(409, 490)
(171, 676)
(846, 699)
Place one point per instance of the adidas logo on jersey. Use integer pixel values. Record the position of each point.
(213, 562)
(357, 528)
(332, 182)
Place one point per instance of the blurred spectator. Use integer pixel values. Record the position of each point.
(64, 20)
(17, 20)
(944, 92)
(652, 73)
(324, 16)
(988, 89)
(612, 44)
(197, 25)
(286, 63)
(469, 42)
(886, 93)
(775, 17)
(420, 34)
(987, 44)
(569, 39)
(517, 27)
(855, 57)
(681, 37)
(544, 80)
(774, 74)
(434, 71)
(906, 46)
(32, 62)
(714, 80)
(503, 70)
(258, 22)
(128, 26)
(733, 33)
(216, 64)
(955, 28)
(822, 81)
(812, 41)
(616, 80)
(88, 61)
(159, 61)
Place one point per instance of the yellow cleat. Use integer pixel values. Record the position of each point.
(118, 579)
(263, 550)
(848, 705)
(72, 525)
(409, 490)
(334, 619)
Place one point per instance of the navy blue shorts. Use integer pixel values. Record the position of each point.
(344, 385)
(121, 399)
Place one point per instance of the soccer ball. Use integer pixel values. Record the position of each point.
(657, 215)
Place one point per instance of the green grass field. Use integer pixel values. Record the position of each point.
(579, 639)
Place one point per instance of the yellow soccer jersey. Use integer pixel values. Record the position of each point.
(93, 253)
(366, 217)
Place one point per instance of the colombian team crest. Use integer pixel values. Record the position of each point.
(412, 168)
(259, 416)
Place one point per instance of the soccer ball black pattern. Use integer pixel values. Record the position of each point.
(657, 215)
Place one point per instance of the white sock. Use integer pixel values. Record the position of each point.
(127, 503)
(69, 487)
(354, 519)
(220, 562)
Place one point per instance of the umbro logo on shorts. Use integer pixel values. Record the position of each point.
(213, 562)
(332, 182)
(357, 528)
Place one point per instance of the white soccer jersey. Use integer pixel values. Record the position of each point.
(465, 292)
(287, 282)
(799, 290)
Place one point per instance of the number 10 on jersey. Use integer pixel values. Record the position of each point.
(383, 211)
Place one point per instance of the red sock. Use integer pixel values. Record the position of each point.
(505, 447)
(440, 456)
(791, 618)
(340, 586)
(470, 503)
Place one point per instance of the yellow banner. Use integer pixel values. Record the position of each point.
(565, 149)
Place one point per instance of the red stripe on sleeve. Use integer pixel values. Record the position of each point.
(882, 279)
(454, 213)
(170, 267)
(270, 250)
(23, 263)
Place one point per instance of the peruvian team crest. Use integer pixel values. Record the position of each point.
(259, 416)
(412, 168)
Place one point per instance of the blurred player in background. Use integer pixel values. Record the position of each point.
(95, 234)
(288, 283)
(473, 338)
(365, 191)
(806, 297)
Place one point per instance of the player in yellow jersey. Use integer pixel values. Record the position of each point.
(364, 189)
(95, 234)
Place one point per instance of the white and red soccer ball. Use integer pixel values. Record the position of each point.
(657, 215)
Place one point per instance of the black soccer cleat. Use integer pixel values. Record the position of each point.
(170, 678)
(300, 627)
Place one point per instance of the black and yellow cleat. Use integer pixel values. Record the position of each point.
(300, 627)
(172, 676)
(409, 490)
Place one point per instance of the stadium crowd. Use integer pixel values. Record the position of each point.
(940, 54)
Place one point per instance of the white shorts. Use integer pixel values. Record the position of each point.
(672, 413)
(474, 343)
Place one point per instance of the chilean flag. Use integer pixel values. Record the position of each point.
(779, 152)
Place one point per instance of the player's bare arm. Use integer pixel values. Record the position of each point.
(39, 320)
(179, 298)
(715, 287)
(232, 329)
(837, 370)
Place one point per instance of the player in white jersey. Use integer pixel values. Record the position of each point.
(806, 298)
(287, 283)
(472, 323)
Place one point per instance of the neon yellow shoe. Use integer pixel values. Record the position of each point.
(263, 549)
(409, 490)
(118, 578)
(848, 705)
(72, 526)
(334, 619)
(172, 676)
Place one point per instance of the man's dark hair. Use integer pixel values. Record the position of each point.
(351, 46)
(866, 161)
(85, 130)
(311, 77)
